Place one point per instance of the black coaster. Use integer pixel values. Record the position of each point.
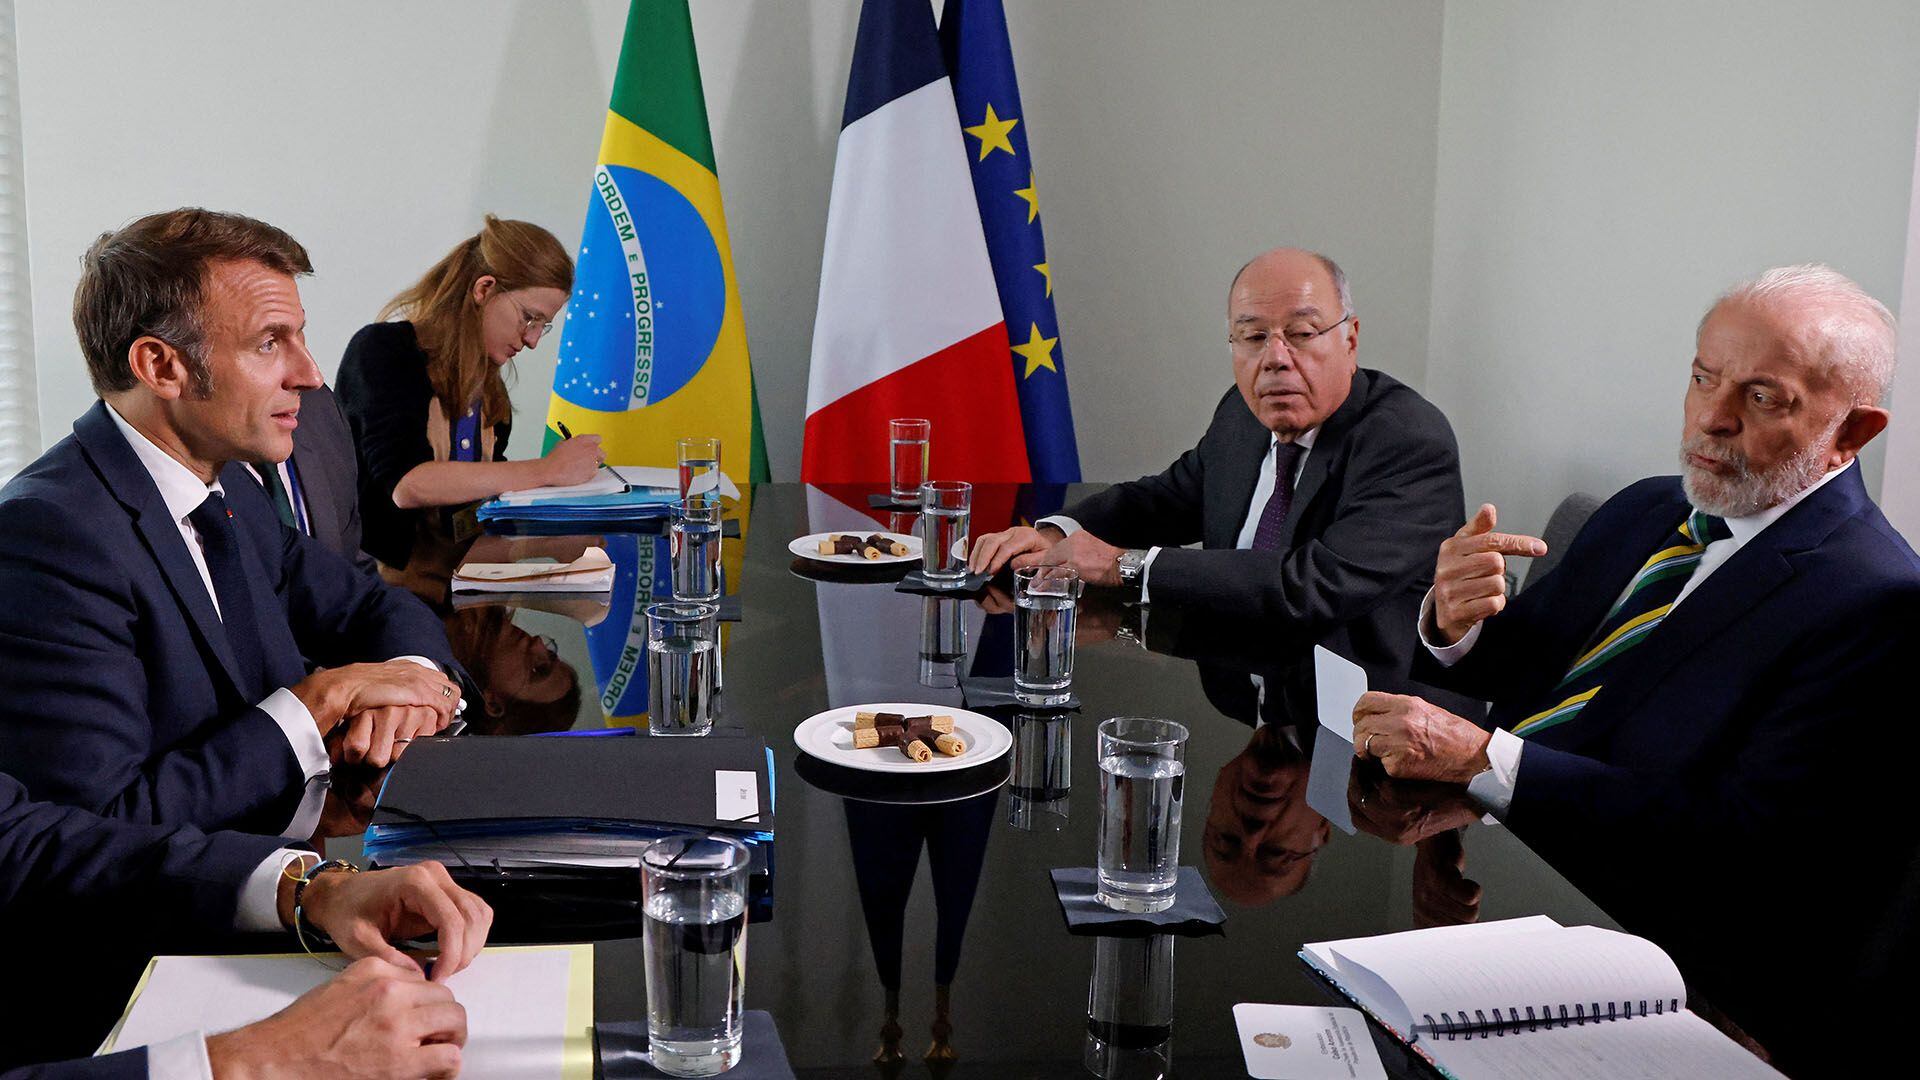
(1195, 913)
(885, 502)
(621, 1050)
(983, 693)
(730, 608)
(916, 582)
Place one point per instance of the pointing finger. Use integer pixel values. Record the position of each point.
(1482, 521)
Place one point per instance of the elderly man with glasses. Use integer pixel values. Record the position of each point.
(1316, 494)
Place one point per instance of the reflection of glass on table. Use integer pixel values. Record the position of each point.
(1130, 1008)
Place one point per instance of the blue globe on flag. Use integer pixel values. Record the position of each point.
(648, 298)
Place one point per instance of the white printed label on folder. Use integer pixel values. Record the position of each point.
(1306, 1042)
(736, 796)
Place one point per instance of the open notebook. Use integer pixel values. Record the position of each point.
(1529, 999)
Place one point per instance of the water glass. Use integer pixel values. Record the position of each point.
(1042, 772)
(1142, 773)
(943, 641)
(945, 507)
(683, 643)
(695, 943)
(699, 468)
(1130, 1008)
(908, 446)
(1044, 602)
(695, 542)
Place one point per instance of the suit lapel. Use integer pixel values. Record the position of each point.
(1760, 567)
(1326, 447)
(315, 489)
(127, 479)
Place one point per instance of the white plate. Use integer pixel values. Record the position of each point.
(829, 737)
(808, 547)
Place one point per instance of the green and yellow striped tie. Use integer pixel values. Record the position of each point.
(1648, 599)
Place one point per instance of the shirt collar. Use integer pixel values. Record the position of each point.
(179, 488)
(1304, 440)
(1747, 527)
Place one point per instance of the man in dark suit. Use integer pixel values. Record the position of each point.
(1684, 701)
(159, 617)
(61, 867)
(1316, 494)
(317, 490)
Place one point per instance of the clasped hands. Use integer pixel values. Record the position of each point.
(1412, 738)
(1096, 561)
(378, 708)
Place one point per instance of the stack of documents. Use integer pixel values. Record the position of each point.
(591, 572)
(617, 494)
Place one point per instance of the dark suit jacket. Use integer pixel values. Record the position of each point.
(329, 474)
(1380, 490)
(63, 869)
(118, 690)
(1724, 762)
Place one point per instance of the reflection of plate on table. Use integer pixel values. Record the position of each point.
(866, 573)
(897, 790)
(808, 547)
(829, 737)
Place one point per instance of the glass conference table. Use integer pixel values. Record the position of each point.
(936, 894)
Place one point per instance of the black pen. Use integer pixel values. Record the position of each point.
(565, 434)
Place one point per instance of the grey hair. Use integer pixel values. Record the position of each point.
(1339, 276)
(1858, 336)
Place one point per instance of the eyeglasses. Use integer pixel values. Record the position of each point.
(1253, 340)
(543, 667)
(539, 324)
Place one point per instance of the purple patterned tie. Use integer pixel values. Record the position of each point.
(1267, 535)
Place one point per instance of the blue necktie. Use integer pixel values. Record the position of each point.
(222, 543)
(1270, 532)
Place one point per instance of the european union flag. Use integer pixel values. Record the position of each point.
(973, 35)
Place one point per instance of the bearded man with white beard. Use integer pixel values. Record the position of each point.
(1698, 683)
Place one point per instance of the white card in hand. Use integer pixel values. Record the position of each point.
(1306, 1042)
(1338, 683)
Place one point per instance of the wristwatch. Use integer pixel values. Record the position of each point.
(1133, 563)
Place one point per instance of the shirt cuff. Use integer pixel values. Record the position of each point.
(296, 723)
(1448, 655)
(183, 1057)
(1059, 521)
(1146, 569)
(259, 908)
(1493, 788)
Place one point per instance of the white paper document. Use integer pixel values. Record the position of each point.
(1306, 1042)
(529, 1009)
(1338, 683)
(667, 478)
(603, 483)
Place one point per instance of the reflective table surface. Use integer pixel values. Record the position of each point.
(915, 930)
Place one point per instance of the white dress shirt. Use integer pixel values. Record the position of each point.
(1262, 493)
(1493, 787)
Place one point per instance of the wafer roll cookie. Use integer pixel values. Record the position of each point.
(917, 750)
(868, 738)
(950, 745)
(869, 552)
(871, 719)
(826, 546)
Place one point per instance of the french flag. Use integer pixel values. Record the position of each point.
(909, 320)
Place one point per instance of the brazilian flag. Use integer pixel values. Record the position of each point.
(655, 344)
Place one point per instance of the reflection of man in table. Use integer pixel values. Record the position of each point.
(1317, 494)
(1686, 697)
(1261, 836)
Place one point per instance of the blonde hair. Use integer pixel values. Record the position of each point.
(446, 319)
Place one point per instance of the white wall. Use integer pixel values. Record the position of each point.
(1172, 140)
(1604, 171)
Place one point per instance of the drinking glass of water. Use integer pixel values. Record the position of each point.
(695, 535)
(945, 506)
(1044, 599)
(695, 943)
(683, 644)
(1142, 771)
(699, 468)
(908, 442)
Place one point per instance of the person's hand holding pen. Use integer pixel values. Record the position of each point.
(574, 459)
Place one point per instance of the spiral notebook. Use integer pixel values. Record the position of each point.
(1529, 999)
